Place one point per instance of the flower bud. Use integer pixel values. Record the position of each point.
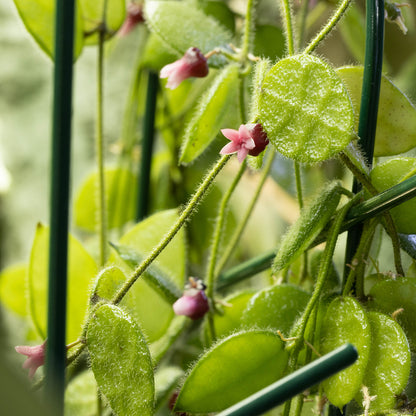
(194, 302)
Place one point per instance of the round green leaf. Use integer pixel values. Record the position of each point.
(388, 367)
(13, 288)
(396, 120)
(391, 295)
(311, 222)
(212, 113)
(190, 27)
(120, 199)
(390, 173)
(121, 362)
(276, 307)
(233, 369)
(82, 269)
(305, 109)
(345, 321)
(81, 395)
(39, 18)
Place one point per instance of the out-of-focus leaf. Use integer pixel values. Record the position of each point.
(13, 288)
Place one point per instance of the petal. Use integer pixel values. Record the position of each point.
(168, 69)
(242, 154)
(231, 134)
(230, 148)
(244, 133)
(185, 305)
(249, 144)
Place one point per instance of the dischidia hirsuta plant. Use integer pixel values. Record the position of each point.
(162, 317)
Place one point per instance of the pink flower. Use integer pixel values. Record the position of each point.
(133, 18)
(194, 303)
(36, 357)
(192, 64)
(250, 139)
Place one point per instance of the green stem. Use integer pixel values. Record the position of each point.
(102, 214)
(328, 27)
(238, 232)
(248, 31)
(302, 23)
(288, 21)
(183, 217)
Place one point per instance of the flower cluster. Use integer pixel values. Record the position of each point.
(36, 357)
(249, 139)
(194, 302)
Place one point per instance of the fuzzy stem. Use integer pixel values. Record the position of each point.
(183, 217)
(102, 214)
(302, 23)
(328, 27)
(237, 234)
(288, 19)
(248, 30)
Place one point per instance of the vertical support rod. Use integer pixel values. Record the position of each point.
(59, 197)
(369, 101)
(147, 146)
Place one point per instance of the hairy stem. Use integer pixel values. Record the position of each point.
(248, 30)
(288, 21)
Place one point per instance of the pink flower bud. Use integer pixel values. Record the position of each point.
(194, 303)
(192, 64)
(133, 18)
(36, 357)
(250, 139)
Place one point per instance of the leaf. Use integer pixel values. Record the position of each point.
(388, 367)
(264, 47)
(81, 395)
(352, 30)
(39, 18)
(92, 16)
(311, 222)
(166, 379)
(145, 305)
(220, 12)
(305, 109)
(391, 295)
(233, 369)
(276, 307)
(189, 27)
(13, 288)
(345, 321)
(211, 114)
(389, 173)
(121, 186)
(81, 272)
(121, 362)
(396, 120)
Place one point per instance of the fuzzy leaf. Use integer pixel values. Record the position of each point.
(81, 395)
(276, 307)
(189, 27)
(121, 362)
(305, 109)
(120, 199)
(396, 119)
(236, 367)
(388, 367)
(13, 288)
(345, 321)
(81, 272)
(212, 114)
(39, 18)
(311, 222)
(166, 380)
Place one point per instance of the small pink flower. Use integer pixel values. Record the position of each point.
(133, 18)
(192, 64)
(194, 303)
(36, 357)
(250, 139)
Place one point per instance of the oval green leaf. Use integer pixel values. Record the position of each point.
(388, 367)
(81, 395)
(13, 288)
(39, 18)
(233, 369)
(276, 307)
(82, 269)
(396, 120)
(311, 222)
(305, 109)
(121, 362)
(189, 27)
(142, 302)
(345, 321)
(391, 295)
(390, 173)
(92, 16)
(212, 113)
(120, 199)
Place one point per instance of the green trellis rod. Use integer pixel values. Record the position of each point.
(59, 196)
(295, 383)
